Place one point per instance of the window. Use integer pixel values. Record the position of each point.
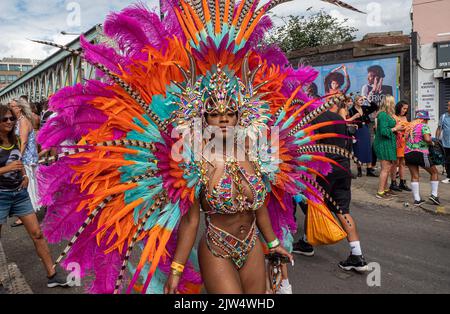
(2, 78)
(15, 67)
(3, 67)
(12, 78)
(26, 68)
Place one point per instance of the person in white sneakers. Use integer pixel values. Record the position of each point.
(443, 133)
(418, 139)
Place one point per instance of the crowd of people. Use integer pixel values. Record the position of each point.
(397, 144)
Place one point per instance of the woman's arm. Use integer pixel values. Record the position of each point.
(343, 113)
(13, 166)
(354, 117)
(187, 233)
(265, 227)
(24, 129)
(347, 81)
(264, 224)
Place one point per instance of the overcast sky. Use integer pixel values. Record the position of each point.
(45, 19)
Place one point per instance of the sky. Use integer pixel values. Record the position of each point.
(21, 20)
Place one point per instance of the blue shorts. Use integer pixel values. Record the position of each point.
(15, 203)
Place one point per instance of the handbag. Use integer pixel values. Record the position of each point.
(437, 153)
(321, 226)
(351, 130)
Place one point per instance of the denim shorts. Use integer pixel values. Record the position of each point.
(14, 203)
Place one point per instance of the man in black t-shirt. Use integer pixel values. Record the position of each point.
(339, 188)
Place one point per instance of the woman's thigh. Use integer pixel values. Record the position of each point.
(386, 165)
(219, 274)
(253, 274)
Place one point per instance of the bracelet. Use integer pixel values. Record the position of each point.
(275, 243)
(175, 272)
(177, 267)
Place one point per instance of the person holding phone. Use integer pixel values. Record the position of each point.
(14, 198)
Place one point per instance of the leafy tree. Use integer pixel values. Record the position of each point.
(318, 29)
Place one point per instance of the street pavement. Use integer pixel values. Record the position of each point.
(410, 245)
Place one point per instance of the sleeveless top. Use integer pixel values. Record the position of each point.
(10, 181)
(221, 199)
(30, 155)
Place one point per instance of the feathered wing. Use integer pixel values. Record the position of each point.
(116, 187)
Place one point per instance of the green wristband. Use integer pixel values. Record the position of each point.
(275, 243)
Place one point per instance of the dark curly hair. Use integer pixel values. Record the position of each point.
(378, 70)
(336, 77)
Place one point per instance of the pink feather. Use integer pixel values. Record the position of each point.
(127, 32)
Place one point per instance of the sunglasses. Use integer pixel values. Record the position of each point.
(12, 119)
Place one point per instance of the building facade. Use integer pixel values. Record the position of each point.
(13, 68)
(430, 74)
(382, 58)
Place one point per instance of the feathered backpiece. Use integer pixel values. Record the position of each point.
(115, 187)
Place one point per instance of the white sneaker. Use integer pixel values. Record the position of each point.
(285, 289)
(446, 181)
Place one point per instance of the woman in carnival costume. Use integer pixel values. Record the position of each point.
(133, 183)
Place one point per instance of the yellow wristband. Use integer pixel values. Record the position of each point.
(176, 273)
(178, 267)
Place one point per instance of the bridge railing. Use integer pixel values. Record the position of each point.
(57, 71)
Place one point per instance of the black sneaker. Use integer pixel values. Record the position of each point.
(404, 187)
(435, 200)
(371, 173)
(354, 262)
(57, 280)
(395, 187)
(419, 203)
(303, 248)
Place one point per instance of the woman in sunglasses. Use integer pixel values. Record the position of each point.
(28, 147)
(14, 198)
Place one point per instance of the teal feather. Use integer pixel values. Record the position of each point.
(288, 240)
(304, 141)
(280, 117)
(142, 191)
(305, 158)
(151, 222)
(162, 107)
(288, 122)
(170, 216)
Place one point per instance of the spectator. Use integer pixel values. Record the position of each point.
(385, 144)
(401, 110)
(28, 148)
(444, 132)
(36, 119)
(338, 185)
(46, 114)
(418, 138)
(14, 199)
(363, 147)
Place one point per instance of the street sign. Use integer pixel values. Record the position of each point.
(443, 55)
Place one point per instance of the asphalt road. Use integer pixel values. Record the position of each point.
(411, 247)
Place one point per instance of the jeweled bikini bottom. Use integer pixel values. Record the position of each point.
(235, 249)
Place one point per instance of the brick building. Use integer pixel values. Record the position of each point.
(13, 68)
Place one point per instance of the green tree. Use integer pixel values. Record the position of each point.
(318, 29)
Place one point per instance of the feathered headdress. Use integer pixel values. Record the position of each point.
(119, 188)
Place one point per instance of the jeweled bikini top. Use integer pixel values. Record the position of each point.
(221, 199)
